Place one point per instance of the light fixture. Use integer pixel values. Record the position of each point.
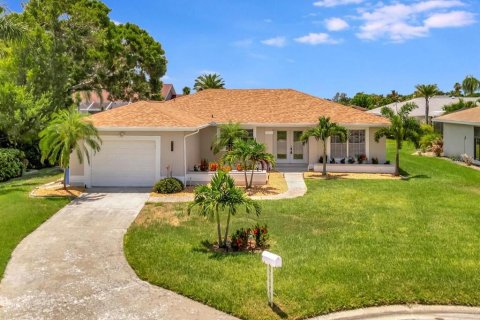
(122, 134)
(172, 146)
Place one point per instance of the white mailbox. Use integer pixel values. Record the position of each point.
(272, 259)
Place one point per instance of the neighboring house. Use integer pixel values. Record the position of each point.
(91, 102)
(436, 106)
(461, 133)
(147, 140)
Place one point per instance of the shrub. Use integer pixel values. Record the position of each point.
(437, 147)
(374, 160)
(250, 239)
(213, 166)
(427, 141)
(467, 159)
(168, 185)
(11, 164)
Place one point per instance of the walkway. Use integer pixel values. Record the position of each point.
(295, 183)
(73, 267)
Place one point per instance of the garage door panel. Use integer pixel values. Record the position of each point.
(125, 163)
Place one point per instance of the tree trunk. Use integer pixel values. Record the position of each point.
(250, 185)
(397, 160)
(427, 110)
(245, 174)
(324, 172)
(219, 229)
(65, 178)
(226, 231)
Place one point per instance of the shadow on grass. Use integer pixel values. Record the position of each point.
(282, 314)
(418, 176)
(207, 247)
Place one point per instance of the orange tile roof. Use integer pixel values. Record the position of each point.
(463, 116)
(257, 106)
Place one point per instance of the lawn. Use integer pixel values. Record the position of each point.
(20, 214)
(346, 244)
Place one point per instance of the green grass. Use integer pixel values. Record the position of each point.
(346, 244)
(20, 214)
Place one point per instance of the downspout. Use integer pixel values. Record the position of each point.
(185, 154)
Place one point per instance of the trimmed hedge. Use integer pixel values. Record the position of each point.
(11, 164)
(168, 185)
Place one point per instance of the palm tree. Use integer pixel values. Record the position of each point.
(228, 134)
(257, 152)
(402, 128)
(470, 85)
(209, 81)
(239, 153)
(11, 29)
(222, 195)
(457, 89)
(427, 91)
(68, 132)
(186, 91)
(322, 131)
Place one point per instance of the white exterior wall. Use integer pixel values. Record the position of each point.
(458, 139)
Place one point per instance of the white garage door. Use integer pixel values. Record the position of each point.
(124, 163)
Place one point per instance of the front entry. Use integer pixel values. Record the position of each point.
(290, 148)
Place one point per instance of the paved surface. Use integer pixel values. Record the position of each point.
(73, 267)
(402, 312)
(296, 188)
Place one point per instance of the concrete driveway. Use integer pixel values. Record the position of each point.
(73, 267)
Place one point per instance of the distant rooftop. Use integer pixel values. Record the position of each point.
(466, 116)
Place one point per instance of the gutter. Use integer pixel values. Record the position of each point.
(185, 154)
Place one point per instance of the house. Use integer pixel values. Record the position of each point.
(147, 140)
(461, 133)
(91, 102)
(436, 105)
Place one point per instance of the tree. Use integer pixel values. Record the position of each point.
(470, 85)
(457, 89)
(186, 91)
(427, 91)
(209, 81)
(362, 100)
(68, 132)
(11, 29)
(257, 152)
(228, 134)
(222, 195)
(461, 104)
(239, 152)
(322, 131)
(402, 128)
(342, 98)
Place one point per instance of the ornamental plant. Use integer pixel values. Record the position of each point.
(250, 239)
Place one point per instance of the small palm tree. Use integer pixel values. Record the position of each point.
(209, 81)
(68, 132)
(257, 152)
(228, 134)
(457, 89)
(239, 153)
(427, 91)
(186, 91)
(322, 131)
(402, 128)
(222, 195)
(470, 85)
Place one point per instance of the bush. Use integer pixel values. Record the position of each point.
(168, 185)
(427, 141)
(252, 239)
(467, 159)
(11, 164)
(437, 147)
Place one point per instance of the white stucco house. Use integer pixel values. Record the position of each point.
(461, 133)
(147, 140)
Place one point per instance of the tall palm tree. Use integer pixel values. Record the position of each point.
(68, 132)
(470, 85)
(209, 81)
(222, 195)
(457, 89)
(427, 91)
(322, 131)
(402, 128)
(11, 29)
(229, 132)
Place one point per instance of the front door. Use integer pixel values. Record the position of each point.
(290, 148)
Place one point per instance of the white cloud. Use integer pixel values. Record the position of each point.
(275, 42)
(399, 22)
(336, 24)
(316, 39)
(450, 19)
(166, 78)
(334, 3)
(244, 43)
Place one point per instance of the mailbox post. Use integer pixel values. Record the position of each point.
(272, 261)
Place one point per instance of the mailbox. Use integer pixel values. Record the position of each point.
(272, 259)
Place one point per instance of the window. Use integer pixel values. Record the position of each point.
(338, 148)
(356, 143)
(249, 134)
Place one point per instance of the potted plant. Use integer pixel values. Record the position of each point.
(204, 165)
(351, 160)
(361, 158)
(213, 166)
(374, 160)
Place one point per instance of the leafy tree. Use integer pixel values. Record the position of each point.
(11, 29)
(362, 100)
(186, 91)
(220, 196)
(228, 134)
(68, 132)
(209, 81)
(322, 131)
(427, 91)
(402, 128)
(461, 104)
(470, 85)
(342, 98)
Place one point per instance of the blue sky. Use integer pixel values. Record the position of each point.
(316, 46)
